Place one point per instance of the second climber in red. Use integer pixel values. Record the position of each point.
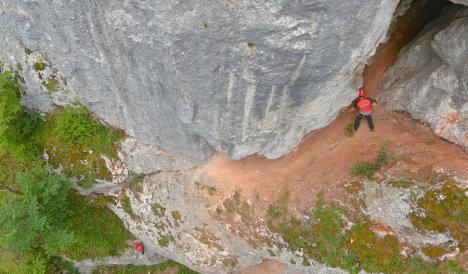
(140, 247)
(364, 106)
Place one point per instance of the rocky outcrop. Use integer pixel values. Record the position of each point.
(181, 218)
(430, 77)
(244, 77)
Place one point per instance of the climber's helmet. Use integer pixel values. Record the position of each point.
(362, 93)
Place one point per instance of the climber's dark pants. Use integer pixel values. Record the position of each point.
(357, 122)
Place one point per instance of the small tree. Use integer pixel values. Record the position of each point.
(31, 217)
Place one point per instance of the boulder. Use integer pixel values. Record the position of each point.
(430, 78)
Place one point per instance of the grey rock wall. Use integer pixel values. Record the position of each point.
(430, 78)
(240, 77)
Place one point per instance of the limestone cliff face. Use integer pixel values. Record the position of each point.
(430, 80)
(244, 77)
(187, 78)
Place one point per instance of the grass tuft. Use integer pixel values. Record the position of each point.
(362, 169)
(382, 158)
(349, 130)
(368, 169)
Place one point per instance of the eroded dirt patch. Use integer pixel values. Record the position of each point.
(322, 161)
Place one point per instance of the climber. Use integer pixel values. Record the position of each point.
(139, 246)
(364, 105)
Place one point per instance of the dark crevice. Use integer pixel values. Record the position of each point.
(403, 30)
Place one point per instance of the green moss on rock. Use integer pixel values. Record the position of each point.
(444, 209)
(52, 85)
(325, 238)
(39, 66)
(74, 140)
(158, 210)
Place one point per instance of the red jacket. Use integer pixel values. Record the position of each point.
(363, 104)
(138, 246)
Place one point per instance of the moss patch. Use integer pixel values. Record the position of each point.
(136, 185)
(52, 85)
(126, 205)
(444, 209)
(243, 222)
(230, 261)
(209, 189)
(435, 252)
(326, 238)
(165, 240)
(102, 201)
(177, 217)
(205, 236)
(401, 183)
(158, 210)
(39, 66)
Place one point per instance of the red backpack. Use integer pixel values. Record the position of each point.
(364, 105)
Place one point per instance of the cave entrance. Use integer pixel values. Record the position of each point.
(409, 19)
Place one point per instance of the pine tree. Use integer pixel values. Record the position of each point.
(31, 217)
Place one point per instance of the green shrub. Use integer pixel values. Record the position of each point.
(17, 125)
(274, 212)
(76, 126)
(368, 169)
(37, 265)
(363, 169)
(75, 141)
(98, 231)
(36, 218)
(382, 158)
(31, 217)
